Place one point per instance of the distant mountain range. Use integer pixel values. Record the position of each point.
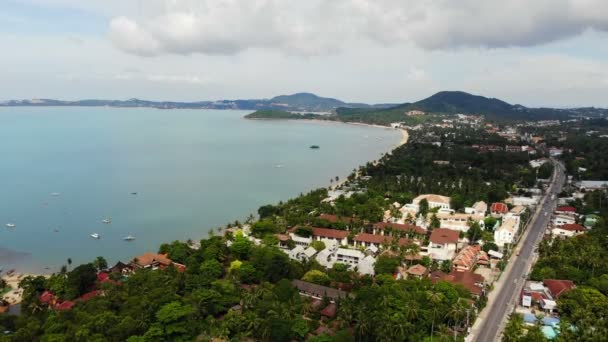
(459, 102)
(304, 102)
(445, 102)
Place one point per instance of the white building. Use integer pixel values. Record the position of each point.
(442, 244)
(560, 220)
(366, 265)
(507, 232)
(435, 201)
(302, 254)
(568, 230)
(458, 221)
(479, 208)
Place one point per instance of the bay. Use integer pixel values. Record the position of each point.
(65, 169)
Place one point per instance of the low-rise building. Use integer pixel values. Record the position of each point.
(507, 232)
(434, 201)
(155, 261)
(560, 220)
(469, 257)
(499, 209)
(568, 230)
(443, 244)
(458, 221)
(479, 208)
(330, 235)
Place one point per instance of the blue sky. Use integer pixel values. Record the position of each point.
(546, 52)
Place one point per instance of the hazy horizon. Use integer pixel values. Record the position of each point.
(551, 54)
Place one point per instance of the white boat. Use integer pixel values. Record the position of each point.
(129, 238)
(55, 194)
(279, 166)
(95, 236)
(106, 221)
(11, 225)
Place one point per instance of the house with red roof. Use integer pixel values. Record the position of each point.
(155, 261)
(558, 287)
(469, 257)
(473, 282)
(63, 306)
(443, 244)
(385, 228)
(330, 235)
(499, 209)
(568, 230)
(566, 210)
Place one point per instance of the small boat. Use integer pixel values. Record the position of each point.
(11, 225)
(95, 236)
(106, 221)
(129, 238)
(314, 147)
(55, 194)
(279, 166)
(134, 193)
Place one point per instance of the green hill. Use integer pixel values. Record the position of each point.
(309, 101)
(449, 103)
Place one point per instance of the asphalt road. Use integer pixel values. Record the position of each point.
(502, 305)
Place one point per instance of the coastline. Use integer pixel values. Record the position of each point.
(404, 137)
(15, 294)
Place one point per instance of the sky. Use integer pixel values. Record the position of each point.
(535, 53)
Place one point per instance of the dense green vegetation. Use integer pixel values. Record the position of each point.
(453, 102)
(235, 293)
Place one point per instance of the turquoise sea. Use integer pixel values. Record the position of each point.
(64, 169)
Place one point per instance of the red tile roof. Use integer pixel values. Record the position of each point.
(566, 209)
(468, 280)
(443, 236)
(401, 227)
(283, 237)
(103, 277)
(89, 295)
(329, 233)
(371, 238)
(573, 227)
(499, 207)
(67, 305)
(47, 297)
(418, 270)
(558, 287)
(330, 310)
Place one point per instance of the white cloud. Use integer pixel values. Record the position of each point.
(317, 27)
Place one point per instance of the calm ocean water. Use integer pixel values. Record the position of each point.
(192, 170)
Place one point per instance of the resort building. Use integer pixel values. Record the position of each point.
(568, 230)
(442, 244)
(435, 201)
(479, 208)
(469, 257)
(155, 261)
(507, 232)
(458, 221)
(560, 220)
(499, 209)
(328, 235)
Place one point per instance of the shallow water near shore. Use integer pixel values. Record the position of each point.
(160, 175)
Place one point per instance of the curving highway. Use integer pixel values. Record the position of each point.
(514, 277)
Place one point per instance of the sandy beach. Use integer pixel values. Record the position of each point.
(14, 295)
(404, 138)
